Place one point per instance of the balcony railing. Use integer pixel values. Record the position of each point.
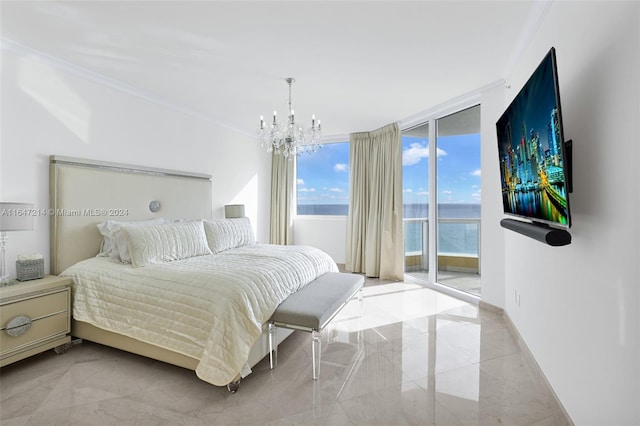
(458, 244)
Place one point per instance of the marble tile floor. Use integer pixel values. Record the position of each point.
(463, 281)
(415, 357)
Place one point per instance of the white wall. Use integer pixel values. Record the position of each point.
(579, 304)
(492, 235)
(50, 109)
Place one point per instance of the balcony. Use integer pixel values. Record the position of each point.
(458, 258)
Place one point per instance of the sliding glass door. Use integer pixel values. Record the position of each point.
(458, 182)
(443, 245)
(415, 193)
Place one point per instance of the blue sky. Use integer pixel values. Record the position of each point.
(323, 177)
(458, 169)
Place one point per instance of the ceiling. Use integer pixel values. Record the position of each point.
(358, 65)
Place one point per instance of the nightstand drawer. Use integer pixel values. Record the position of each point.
(35, 307)
(34, 316)
(40, 330)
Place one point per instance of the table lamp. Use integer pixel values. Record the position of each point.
(233, 211)
(13, 217)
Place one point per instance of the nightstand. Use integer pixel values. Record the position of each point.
(34, 316)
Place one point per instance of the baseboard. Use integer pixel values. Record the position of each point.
(491, 308)
(564, 417)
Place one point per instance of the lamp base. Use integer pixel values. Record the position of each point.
(4, 272)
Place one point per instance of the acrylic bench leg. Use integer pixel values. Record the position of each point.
(315, 353)
(273, 345)
(360, 316)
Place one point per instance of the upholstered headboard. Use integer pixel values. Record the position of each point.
(84, 193)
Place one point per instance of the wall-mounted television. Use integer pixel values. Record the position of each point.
(534, 158)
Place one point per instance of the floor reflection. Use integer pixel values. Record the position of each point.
(415, 356)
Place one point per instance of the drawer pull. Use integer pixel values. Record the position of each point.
(18, 326)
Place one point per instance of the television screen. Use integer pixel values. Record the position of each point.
(533, 161)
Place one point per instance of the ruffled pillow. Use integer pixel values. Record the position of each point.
(165, 243)
(113, 244)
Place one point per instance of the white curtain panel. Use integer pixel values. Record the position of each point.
(281, 229)
(375, 244)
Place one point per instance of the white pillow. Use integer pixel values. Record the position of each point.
(225, 234)
(166, 242)
(113, 244)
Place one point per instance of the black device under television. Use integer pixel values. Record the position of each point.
(535, 160)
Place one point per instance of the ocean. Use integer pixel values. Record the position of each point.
(457, 237)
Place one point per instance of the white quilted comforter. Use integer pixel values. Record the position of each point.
(210, 308)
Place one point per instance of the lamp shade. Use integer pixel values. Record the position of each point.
(16, 217)
(233, 211)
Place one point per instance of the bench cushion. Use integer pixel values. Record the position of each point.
(316, 303)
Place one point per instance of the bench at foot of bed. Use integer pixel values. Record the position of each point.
(311, 308)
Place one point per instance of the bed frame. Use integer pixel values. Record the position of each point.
(84, 193)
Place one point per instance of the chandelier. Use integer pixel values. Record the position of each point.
(290, 138)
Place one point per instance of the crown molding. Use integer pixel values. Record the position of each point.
(449, 107)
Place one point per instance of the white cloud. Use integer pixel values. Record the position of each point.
(423, 193)
(414, 154)
(306, 190)
(341, 167)
(407, 190)
(336, 190)
(476, 195)
(476, 172)
(417, 152)
(447, 192)
(300, 182)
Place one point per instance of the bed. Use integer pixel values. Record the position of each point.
(198, 292)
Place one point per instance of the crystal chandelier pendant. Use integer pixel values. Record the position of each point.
(289, 138)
